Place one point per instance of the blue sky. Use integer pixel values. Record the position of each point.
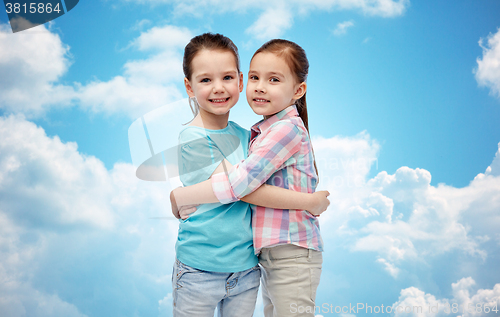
(404, 106)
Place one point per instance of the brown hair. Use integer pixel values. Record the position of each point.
(296, 58)
(207, 41)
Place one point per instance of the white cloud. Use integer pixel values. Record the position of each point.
(278, 16)
(31, 64)
(343, 165)
(402, 217)
(419, 303)
(33, 61)
(146, 84)
(272, 23)
(488, 67)
(494, 168)
(67, 220)
(342, 27)
(389, 267)
(72, 230)
(66, 187)
(385, 8)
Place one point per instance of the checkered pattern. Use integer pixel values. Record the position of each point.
(279, 154)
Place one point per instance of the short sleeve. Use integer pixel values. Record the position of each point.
(198, 159)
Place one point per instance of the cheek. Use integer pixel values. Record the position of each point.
(235, 93)
(248, 91)
(203, 91)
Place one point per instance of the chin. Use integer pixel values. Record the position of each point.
(221, 112)
(259, 111)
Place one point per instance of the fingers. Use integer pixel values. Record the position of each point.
(186, 211)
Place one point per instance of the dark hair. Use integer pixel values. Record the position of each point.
(207, 41)
(296, 58)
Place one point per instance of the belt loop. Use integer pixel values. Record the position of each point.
(310, 254)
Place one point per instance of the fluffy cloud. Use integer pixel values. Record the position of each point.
(146, 84)
(67, 188)
(488, 67)
(72, 230)
(31, 63)
(272, 23)
(342, 27)
(419, 303)
(401, 217)
(278, 16)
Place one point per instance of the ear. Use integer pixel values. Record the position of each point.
(241, 82)
(189, 89)
(300, 90)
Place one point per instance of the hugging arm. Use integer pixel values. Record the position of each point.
(266, 195)
(243, 180)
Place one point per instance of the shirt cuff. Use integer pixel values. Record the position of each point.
(222, 188)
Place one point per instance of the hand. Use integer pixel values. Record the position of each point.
(320, 203)
(185, 211)
(175, 209)
(181, 212)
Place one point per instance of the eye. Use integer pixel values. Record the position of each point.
(228, 77)
(274, 79)
(253, 77)
(205, 80)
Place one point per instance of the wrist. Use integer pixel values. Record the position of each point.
(175, 207)
(311, 202)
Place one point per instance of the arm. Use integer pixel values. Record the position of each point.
(281, 198)
(266, 195)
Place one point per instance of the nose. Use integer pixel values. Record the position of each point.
(259, 87)
(218, 87)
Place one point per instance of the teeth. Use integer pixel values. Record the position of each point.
(260, 100)
(219, 100)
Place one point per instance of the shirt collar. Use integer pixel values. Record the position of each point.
(286, 113)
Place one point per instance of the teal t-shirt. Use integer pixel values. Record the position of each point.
(217, 237)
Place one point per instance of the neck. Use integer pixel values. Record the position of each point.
(211, 121)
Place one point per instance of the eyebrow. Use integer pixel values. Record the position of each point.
(268, 73)
(226, 72)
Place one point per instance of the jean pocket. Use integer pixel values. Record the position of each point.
(315, 275)
(179, 270)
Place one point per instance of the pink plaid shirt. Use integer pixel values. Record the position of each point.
(279, 154)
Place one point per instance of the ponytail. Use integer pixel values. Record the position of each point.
(302, 110)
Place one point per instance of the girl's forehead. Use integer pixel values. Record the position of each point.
(214, 54)
(268, 61)
(214, 58)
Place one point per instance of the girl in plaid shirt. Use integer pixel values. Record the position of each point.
(287, 241)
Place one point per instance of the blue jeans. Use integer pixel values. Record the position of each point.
(196, 293)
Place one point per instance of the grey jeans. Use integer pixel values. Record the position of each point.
(289, 276)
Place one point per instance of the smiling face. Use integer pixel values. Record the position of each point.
(271, 85)
(215, 81)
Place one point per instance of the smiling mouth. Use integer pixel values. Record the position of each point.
(220, 100)
(260, 100)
